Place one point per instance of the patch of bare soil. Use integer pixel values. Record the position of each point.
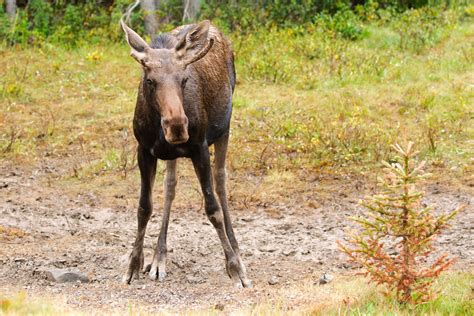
(46, 223)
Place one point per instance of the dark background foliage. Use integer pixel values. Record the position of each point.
(70, 22)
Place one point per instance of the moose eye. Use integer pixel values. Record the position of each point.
(183, 83)
(149, 82)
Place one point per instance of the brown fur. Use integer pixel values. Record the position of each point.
(184, 105)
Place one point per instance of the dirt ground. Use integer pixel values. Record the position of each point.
(286, 236)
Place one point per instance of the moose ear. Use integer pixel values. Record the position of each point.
(136, 43)
(195, 44)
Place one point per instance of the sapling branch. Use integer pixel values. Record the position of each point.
(396, 234)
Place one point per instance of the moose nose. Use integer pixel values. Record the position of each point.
(175, 129)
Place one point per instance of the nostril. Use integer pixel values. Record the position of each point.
(165, 122)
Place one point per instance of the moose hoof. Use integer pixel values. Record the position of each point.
(243, 283)
(152, 274)
(127, 277)
(161, 276)
(247, 283)
(155, 274)
(135, 264)
(236, 271)
(147, 268)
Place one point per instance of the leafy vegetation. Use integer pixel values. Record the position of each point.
(65, 23)
(72, 23)
(317, 99)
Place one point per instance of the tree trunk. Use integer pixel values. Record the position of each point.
(149, 10)
(11, 8)
(191, 9)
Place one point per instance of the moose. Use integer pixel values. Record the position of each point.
(184, 105)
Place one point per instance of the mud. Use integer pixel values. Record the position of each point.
(286, 237)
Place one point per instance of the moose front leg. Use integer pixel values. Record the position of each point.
(234, 266)
(158, 266)
(147, 165)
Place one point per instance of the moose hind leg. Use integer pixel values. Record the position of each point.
(234, 266)
(220, 175)
(220, 178)
(147, 166)
(158, 266)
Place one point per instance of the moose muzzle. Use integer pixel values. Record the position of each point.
(175, 129)
(174, 121)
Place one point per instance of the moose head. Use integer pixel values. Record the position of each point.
(165, 75)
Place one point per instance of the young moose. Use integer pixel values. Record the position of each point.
(184, 105)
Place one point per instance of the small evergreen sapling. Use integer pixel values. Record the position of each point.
(397, 233)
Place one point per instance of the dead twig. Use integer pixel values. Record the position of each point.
(13, 136)
(71, 231)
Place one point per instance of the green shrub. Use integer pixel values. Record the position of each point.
(15, 31)
(94, 21)
(71, 29)
(424, 27)
(41, 14)
(114, 31)
(344, 23)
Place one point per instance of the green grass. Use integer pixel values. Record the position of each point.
(345, 107)
(344, 296)
(303, 100)
(455, 298)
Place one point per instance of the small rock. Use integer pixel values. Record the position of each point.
(194, 279)
(305, 252)
(285, 227)
(267, 249)
(273, 280)
(62, 276)
(178, 263)
(19, 259)
(325, 278)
